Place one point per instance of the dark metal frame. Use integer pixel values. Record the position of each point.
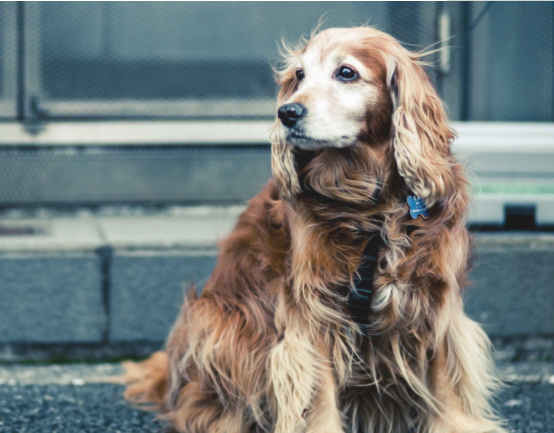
(36, 108)
(23, 96)
(8, 35)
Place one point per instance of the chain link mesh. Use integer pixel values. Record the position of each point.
(206, 60)
(511, 67)
(213, 59)
(188, 59)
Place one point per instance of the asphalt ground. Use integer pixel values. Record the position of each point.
(68, 399)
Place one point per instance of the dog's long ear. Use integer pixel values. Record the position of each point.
(421, 135)
(282, 156)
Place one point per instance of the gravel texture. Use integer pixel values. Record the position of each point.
(57, 374)
(71, 409)
(527, 406)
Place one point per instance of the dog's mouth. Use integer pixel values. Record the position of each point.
(299, 138)
(299, 135)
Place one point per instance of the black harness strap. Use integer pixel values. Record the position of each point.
(359, 300)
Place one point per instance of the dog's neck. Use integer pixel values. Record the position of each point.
(354, 183)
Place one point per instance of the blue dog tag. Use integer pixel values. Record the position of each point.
(417, 207)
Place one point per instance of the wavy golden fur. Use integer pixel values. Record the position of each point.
(270, 345)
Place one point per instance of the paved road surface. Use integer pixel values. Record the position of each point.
(66, 399)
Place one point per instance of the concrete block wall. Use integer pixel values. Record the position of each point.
(51, 297)
(512, 293)
(147, 290)
(119, 281)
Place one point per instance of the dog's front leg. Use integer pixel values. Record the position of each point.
(293, 378)
(324, 416)
(303, 383)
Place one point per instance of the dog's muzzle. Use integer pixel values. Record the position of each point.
(290, 114)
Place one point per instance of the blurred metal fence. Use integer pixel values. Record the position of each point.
(156, 175)
(110, 61)
(8, 60)
(181, 59)
(511, 62)
(213, 59)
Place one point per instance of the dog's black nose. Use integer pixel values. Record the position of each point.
(291, 113)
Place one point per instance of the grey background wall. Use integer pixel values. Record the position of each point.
(113, 294)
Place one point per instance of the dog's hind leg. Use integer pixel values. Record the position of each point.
(146, 381)
(464, 380)
(199, 410)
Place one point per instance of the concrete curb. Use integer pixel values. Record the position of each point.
(86, 374)
(91, 285)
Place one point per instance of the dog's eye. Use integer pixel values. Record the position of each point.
(346, 73)
(299, 74)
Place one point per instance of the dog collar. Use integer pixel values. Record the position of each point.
(359, 299)
(417, 207)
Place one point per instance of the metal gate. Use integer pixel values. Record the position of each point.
(71, 69)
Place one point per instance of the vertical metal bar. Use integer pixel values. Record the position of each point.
(439, 74)
(9, 59)
(444, 33)
(451, 63)
(465, 60)
(32, 89)
(424, 26)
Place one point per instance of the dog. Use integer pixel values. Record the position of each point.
(271, 344)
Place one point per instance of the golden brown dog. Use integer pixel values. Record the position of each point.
(270, 344)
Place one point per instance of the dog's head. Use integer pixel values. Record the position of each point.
(358, 87)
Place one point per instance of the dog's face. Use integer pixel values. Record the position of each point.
(358, 88)
(337, 85)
